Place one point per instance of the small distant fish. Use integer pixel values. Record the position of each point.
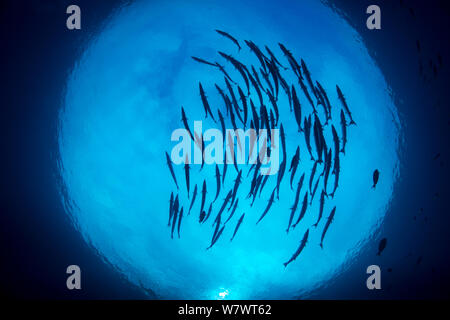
(204, 61)
(376, 175)
(186, 173)
(193, 199)
(217, 182)
(269, 204)
(344, 103)
(381, 246)
(180, 217)
(300, 248)
(169, 164)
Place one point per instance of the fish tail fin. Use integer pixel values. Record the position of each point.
(373, 187)
(315, 225)
(321, 245)
(285, 264)
(352, 122)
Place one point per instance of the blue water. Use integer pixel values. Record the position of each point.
(123, 101)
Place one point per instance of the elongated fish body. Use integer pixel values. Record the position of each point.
(314, 190)
(257, 186)
(169, 164)
(264, 181)
(336, 174)
(381, 246)
(185, 123)
(258, 53)
(203, 196)
(311, 177)
(186, 173)
(194, 196)
(232, 211)
(217, 236)
(335, 140)
(306, 93)
(255, 116)
(180, 217)
(321, 101)
(225, 166)
(205, 102)
(327, 225)
(204, 61)
(225, 202)
(274, 106)
(324, 95)
(170, 208)
(274, 72)
(307, 129)
(217, 182)
(299, 250)
(227, 35)
(239, 67)
(297, 198)
(303, 210)
(344, 103)
(271, 200)
(344, 131)
(322, 203)
(265, 120)
(283, 140)
(256, 84)
(237, 226)
(272, 119)
(318, 139)
(327, 170)
(258, 81)
(222, 124)
(176, 205)
(308, 77)
(225, 73)
(294, 164)
(297, 109)
(209, 213)
(174, 222)
(273, 57)
(376, 176)
(287, 90)
(202, 217)
(216, 230)
(292, 62)
(235, 188)
(244, 105)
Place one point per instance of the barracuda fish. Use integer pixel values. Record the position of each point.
(170, 208)
(237, 182)
(272, 57)
(327, 225)
(322, 203)
(318, 138)
(225, 202)
(185, 123)
(222, 124)
(324, 95)
(203, 61)
(169, 164)
(299, 250)
(274, 105)
(209, 213)
(244, 105)
(256, 86)
(344, 103)
(292, 62)
(237, 226)
(274, 72)
(238, 66)
(267, 80)
(336, 172)
(303, 210)
(217, 182)
(307, 131)
(376, 175)
(258, 53)
(297, 109)
(194, 196)
(294, 164)
(256, 188)
(175, 207)
(203, 196)
(308, 77)
(327, 170)
(344, 131)
(297, 197)
(311, 177)
(225, 73)
(306, 93)
(271, 201)
(314, 190)
(232, 211)
(174, 221)
(205, 102)
(229, 36)
(180, 217)
(186, 173)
